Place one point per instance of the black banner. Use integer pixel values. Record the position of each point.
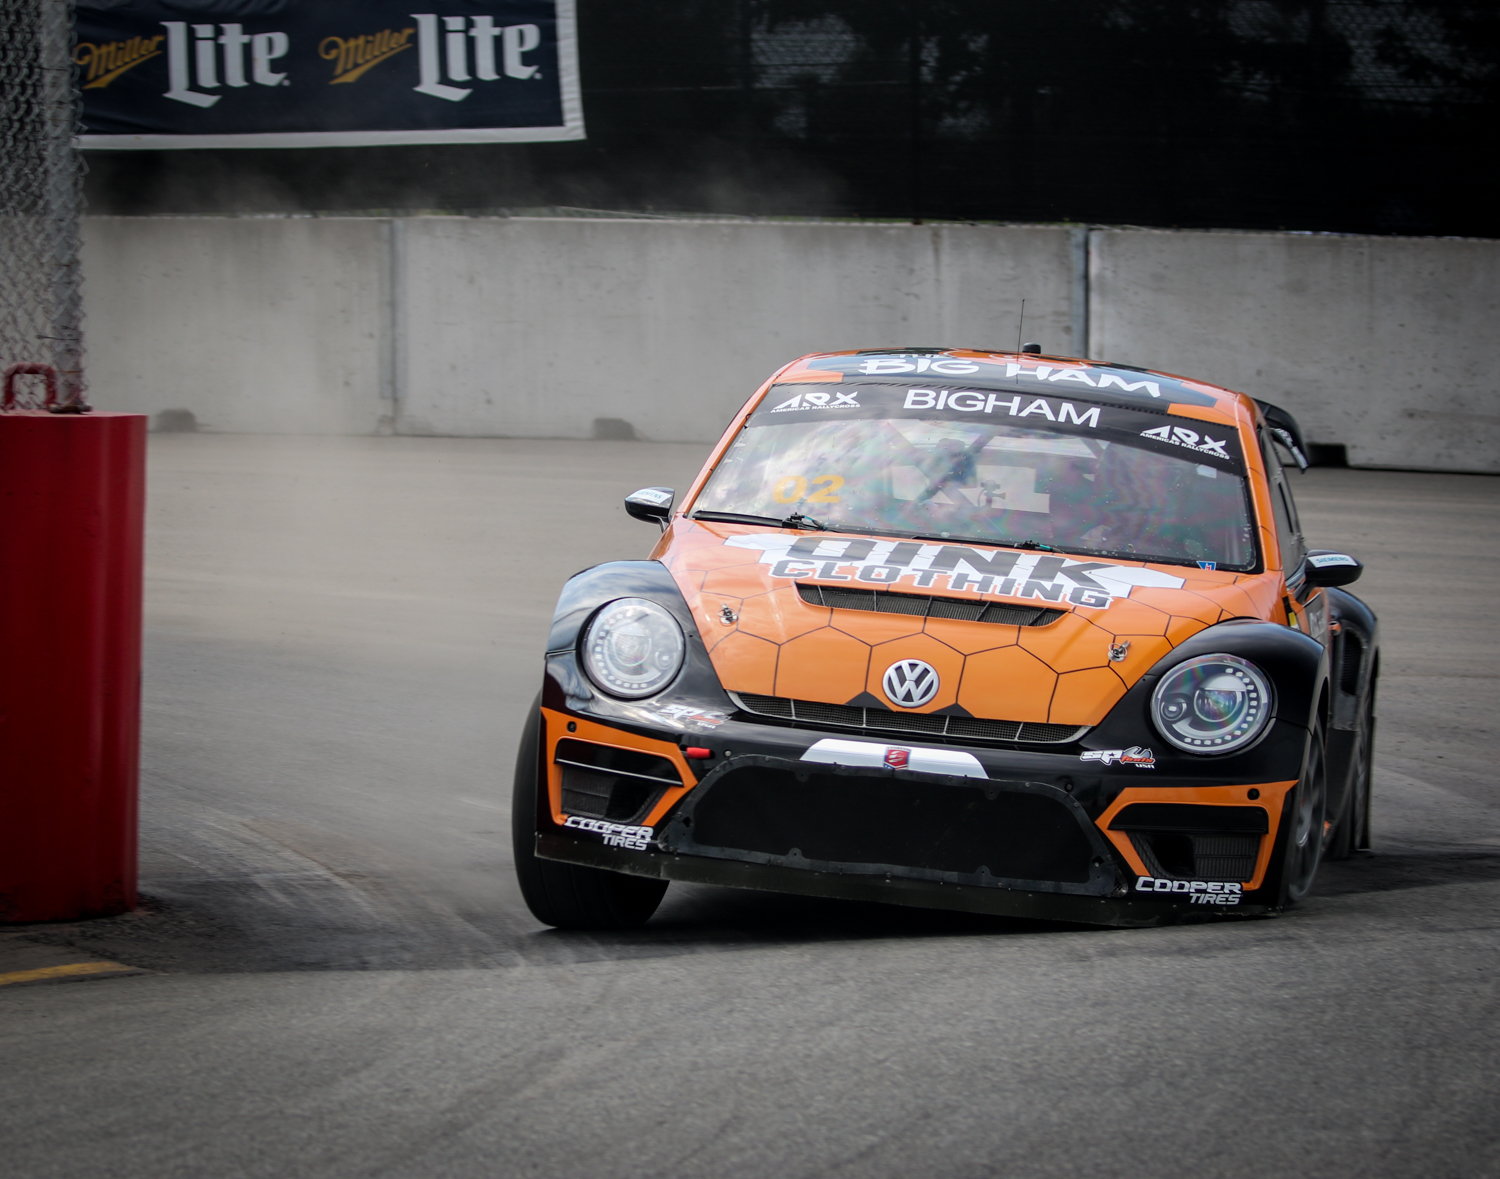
(304, 73)
(1058, 411)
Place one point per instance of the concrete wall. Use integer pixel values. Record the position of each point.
(536, 327)
(533, 327)
(527, 327)
(256, 325)
(1390, 346)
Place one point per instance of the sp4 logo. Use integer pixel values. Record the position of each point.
(1134, 756)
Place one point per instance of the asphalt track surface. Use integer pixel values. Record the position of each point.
(333, 973)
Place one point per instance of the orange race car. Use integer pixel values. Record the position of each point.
(1001, 632)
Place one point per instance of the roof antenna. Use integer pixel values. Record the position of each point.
(1019, 323)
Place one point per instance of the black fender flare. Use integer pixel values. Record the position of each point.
(1297, 667)
(1355, 655)
(567, 686)
(1354, 666)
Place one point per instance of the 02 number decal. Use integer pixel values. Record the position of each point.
(828, 494)
(793, 489)
(790, 489)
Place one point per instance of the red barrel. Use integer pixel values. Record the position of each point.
(72, 513)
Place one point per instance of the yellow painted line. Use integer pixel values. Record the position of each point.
(74, 968)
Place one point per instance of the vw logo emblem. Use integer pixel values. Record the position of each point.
(910, 683)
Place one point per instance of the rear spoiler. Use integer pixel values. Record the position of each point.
(1286, 430)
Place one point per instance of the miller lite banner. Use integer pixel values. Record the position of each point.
(325, 73)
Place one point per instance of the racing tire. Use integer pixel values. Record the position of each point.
(1353, 831)
(1306, 809)
(568, 896)
(1367, 764)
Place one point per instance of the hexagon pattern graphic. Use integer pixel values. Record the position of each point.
(781, 645)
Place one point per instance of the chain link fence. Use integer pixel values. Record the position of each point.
(1248, 113)
(1360, 116)
(41, 200)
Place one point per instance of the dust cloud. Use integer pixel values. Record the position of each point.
(417, 547)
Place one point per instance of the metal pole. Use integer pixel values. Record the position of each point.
(396, 323)
(63, 186)
(1080, 241)
(914, 87)
(745, 69)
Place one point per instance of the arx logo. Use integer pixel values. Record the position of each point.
(1191, 439)
(451, 47)
(821, 399)
(210, 49)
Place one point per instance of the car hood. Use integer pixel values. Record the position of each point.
(789, 614)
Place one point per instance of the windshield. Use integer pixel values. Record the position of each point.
(988, 468)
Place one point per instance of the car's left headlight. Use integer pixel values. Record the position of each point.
(1212, 704)
(633, 648)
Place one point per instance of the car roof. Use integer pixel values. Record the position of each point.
(1094, 379)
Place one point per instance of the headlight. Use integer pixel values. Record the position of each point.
(633, 648)
(1212, 704)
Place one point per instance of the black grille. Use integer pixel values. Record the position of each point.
(605, 782)
(1187, 816)
(1186, 842)
(1351, 653)
(881, 823)
(1180, 856)
(924, 606)
(883, 720)
(1225, 857)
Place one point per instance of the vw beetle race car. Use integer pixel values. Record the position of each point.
(998, 632)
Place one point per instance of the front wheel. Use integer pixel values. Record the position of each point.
(1353, 831)
(1366, 780)
(568, 896)
(1308, 810)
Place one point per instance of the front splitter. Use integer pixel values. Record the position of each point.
(888, 890)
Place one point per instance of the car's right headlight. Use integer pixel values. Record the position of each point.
(1212, 704)
(633, 648)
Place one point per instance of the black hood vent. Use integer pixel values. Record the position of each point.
(927, 606)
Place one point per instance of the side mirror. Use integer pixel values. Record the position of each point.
(1332, 569)
(652, 503)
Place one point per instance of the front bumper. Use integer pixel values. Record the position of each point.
(890, 890)
(1022, 833)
